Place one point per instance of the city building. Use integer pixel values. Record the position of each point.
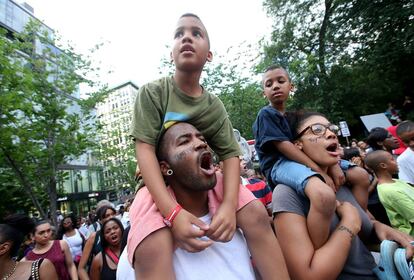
(118, 159)
(82, 185)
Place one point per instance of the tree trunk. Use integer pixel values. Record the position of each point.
(322, 37)
(51, 185)
(51, 191)
(24, 182)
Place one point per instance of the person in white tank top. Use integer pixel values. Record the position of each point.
(72, 236)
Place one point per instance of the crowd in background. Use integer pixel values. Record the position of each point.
(78, 248)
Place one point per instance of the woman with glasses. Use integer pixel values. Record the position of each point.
(343, 255)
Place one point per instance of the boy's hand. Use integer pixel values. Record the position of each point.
(328, 180)
(337, 175)
(187, 229)
(223, 224)
(357, 161)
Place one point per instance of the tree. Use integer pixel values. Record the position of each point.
(237, 86)
(347, 58)
(241, 96)
(41, 127)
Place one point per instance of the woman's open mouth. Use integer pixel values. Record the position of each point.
(333, 149)
(114, 238)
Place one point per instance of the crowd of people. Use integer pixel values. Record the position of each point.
(311, 210)
(34, 249)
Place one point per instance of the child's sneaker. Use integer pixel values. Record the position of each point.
(386, 269)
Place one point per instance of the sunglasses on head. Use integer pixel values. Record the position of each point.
(320, 129)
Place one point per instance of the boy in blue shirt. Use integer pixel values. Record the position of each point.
(283, 162)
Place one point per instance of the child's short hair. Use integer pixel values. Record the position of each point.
(197, 17)
(190, 15)
(276, 66)
(405, 126)
(374, 159)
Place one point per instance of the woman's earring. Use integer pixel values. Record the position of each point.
(170, 172)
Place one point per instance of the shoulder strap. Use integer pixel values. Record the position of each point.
(112, 255)
(83, 238)
(97, 243)
(34, 273)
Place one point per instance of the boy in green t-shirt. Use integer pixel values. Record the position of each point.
(396, 196)
(182, 99)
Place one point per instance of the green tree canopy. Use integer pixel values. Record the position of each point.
(347, 58)
(43, 123)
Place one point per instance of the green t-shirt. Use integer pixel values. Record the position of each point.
(161, 103)
(398, 201)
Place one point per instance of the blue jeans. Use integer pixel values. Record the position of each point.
(292, 174)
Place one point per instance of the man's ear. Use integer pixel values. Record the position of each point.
(164, 166)
(171, 57)
(210, 56)
(5, 247)
(383, 165)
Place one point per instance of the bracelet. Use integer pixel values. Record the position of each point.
(344, 228)
(168, 221)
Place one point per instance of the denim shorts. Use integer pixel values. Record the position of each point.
(292, 174)
(345, 165)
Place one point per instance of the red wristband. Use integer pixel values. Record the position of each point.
(168, 221)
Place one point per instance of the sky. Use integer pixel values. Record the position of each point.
(135, 32)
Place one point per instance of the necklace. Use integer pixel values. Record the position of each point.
(7, 276)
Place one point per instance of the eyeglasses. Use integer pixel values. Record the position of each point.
(320, 129)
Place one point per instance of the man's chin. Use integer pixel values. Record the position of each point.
(212, 182)
(207, 183)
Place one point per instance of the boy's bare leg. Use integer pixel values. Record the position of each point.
(322, 207)
(153, 256)
(358, 179)
(262, 242)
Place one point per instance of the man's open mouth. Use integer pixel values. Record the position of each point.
(206, 163)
